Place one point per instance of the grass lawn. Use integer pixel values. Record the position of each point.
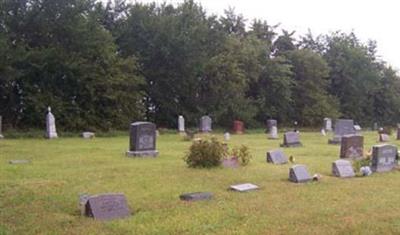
(42, 197)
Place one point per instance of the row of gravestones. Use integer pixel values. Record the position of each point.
(205, 125)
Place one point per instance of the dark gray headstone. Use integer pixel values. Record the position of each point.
(299, 174)
(384, 158)
(276, 157)
(205, 124)
(198, 196)
(291, 139)
(352, 146)
(342, 169)
(142, 140)
(107, 206)
(342, 127)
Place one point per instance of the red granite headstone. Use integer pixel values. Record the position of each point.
(238, 127)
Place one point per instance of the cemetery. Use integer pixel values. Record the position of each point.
(179, 117)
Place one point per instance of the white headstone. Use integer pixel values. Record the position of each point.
(244, 187)
(328, 124)
(227, 136)
(274, 133)
(323, 132)
(181, 123)
(51, 131)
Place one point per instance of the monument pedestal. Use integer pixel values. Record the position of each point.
(151, 153)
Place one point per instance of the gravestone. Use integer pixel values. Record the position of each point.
(384, 158)
(375, 128)
(384, 137)
(291, 139)
(342, 127)
(238, 127)
(398, 133)
(230, 162)
(343, 169)
(327, 124)
(357, 128)
(272, 128)
(205, 124)
(88, 135)
(271, 123)
(51, 132)
(142, 140)
(299, 174)
(1, 129)
(273, 134)
(18, 162)
(227, 136)
(276, 157)
(244, 187)
(352, 146)
(181, 124)
(107, 206)
(198, 196)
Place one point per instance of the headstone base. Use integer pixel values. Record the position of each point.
(152, 153)
(294, 145)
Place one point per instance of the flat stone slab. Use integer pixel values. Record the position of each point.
(142, 153)
(88, 135)
(198, 196)
(244, 187)
(343, 169)
(108, 206)
(16, 162)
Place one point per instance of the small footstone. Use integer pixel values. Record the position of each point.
(198, 196)
(244, 187)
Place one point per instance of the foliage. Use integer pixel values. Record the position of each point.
(242, 153)
(205, 153)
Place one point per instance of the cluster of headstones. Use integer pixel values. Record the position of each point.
(205, 125)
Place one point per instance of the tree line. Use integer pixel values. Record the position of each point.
(102, 65)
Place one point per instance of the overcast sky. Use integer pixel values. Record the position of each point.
(369, 19)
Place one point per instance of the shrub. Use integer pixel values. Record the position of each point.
(242, 154)
(205, 153)
(357, 164)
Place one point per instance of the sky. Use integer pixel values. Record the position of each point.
(369, 19)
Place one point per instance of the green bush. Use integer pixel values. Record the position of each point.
(357, 164)
(242, 154)
(205, 153)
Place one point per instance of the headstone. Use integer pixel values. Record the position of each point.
(398, 133)
(88, 135)
(323, 132)
(244, 187)
(1, 129)
(51, 132)
(107, 206)
(375, 128)
(181, 123)
(276, 157)
(384, 158)
(230, 162)
(357, 128)
(291, 139)
(384, 138)
(327, 124)
(299, 174)
(271, 123)
(198, 196)
(352, 146)
(238, 127)
(227, 136)
(142, 140)
(342, 127)
(343, 169)
(205, 124)
(273, 134)
(17, 162)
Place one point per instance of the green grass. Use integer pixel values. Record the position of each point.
(42, 197)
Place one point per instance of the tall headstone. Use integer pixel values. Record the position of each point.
(272, 128)
(343, 169)
(1, 129)
(181, 124)
(273, 134)
(142, 140)
(384, 158)
(276, 157)
(342, 127)
(327, 124)
(205, 124)
(107, 206)
(352, 146)
(51, 132)
(291, 139)
(299, 174)
(238, 127)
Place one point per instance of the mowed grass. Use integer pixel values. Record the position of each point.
(42, 197)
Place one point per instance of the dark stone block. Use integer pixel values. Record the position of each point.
(198, 196)
(142, 140)
(352, 146)
(299, 174)
(276, 157)
(107, 207)
(384, 158)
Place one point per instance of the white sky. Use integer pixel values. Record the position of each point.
(370, 19)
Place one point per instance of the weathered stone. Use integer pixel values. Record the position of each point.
(276, 157)
(231, 162)
(107, 206)
(181, 124)
(291, 139)
(352, 146)
(299, 174)
(273, 134)
(51, 132)
(238, 127)
(205, 124)
(142, 140)
(384, 138)
(88, 135)
(384, 158)
(198, 196)
(342, 127)
(342, 169)
(327, 124)
(244, 187)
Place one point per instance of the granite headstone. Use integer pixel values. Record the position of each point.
(342, 127)
(352, 146)
(107, 206)
(142, 140)
(238, 127)
(384, 137)
(299, 174)
(291, 139)
(384, 158)
(205, 124)
(343, 169)
(327, 124)
(181, 123)
(276, 157)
